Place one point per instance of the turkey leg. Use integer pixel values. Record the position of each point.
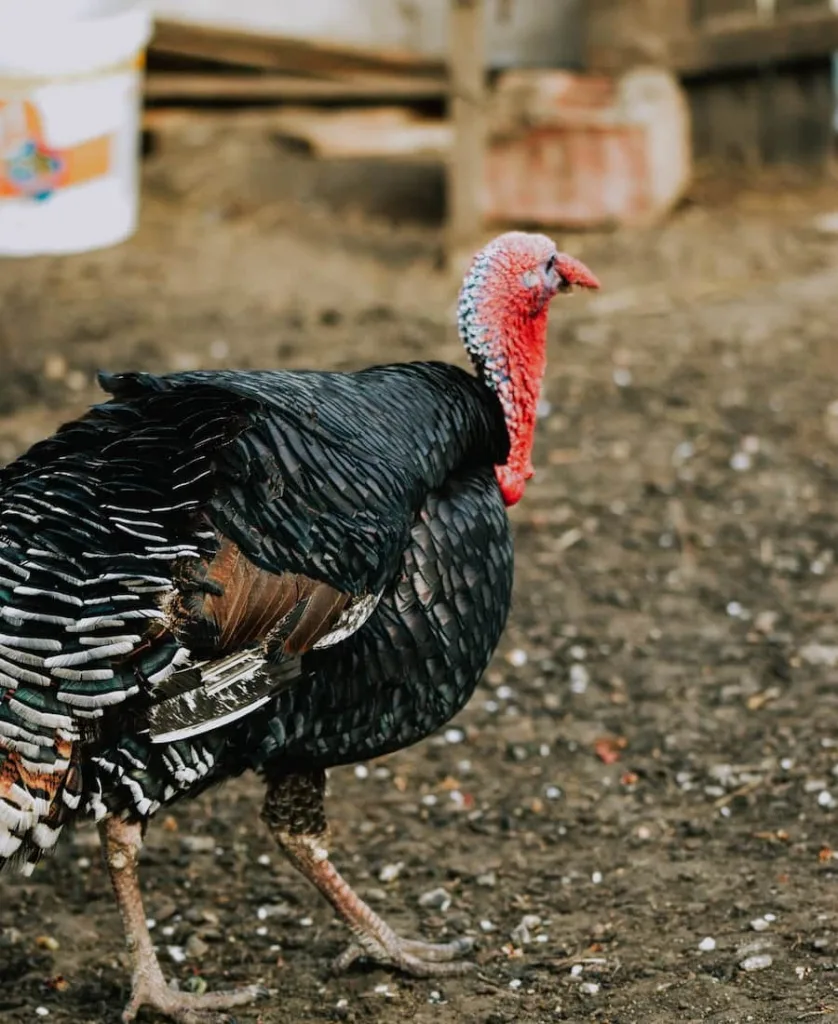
(122, 842)
(294, 812)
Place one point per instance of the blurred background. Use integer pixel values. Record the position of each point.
(636, 813)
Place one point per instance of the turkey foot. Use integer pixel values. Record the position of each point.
(122, 841)
(421, 959)
(294, 811)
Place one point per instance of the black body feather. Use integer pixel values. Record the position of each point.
(362, 508)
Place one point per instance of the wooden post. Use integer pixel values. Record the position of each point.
(467, 82)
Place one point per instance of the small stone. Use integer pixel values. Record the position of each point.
(306, 922)
(438, 899)
(390, 872)
(515, 983)
(826, 800)
(488, 880)
(576, 970)
(10, 937)
(589, 988)
(197, 844)
(264, 860)
(42, 1011)
(758, 962)
(759, 924)
(820, 654)
(195, 947)
(741, 461)
(552, 792)
(454, 735)
(517, 657)
(707, 945)
(622, 377)
(596, 877)
(361, 771)
(579, 678)
(176, 953)
(487, 926)
(814, 785)
(47, 942)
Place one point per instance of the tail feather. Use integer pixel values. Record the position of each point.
(40, 781)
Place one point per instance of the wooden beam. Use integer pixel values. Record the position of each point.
(800, 36)
(468, 113)
(174, 85)
(167, 85)
(283, 53)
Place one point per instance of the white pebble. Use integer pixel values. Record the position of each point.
(579, 678)
(517, 657)
(578, 652)
(150, 923)
(168, 930)
(429, 800)
(382, 990)
(263, 859)
(261, 930)
(707, 945)
(757, 963)
(83, 863)
(596, 877)
(759, 924)
(491, 706)
(552, 792)
(306, 922)
(454, 735)
(589, 988)
(176, 953)
(787, 764)
(487, 926)
(341, 1004)
(361, 771)
(734, 609)
(515, 983)
(740, 461)
(543, 409)
(390, 872)
(770, 917)
(504, 693)
(436, 898)
(576, 970)
(826, 799)
(42, 1011)
(542, 937)
(622, 377)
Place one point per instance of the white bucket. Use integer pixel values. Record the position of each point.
(70, 92)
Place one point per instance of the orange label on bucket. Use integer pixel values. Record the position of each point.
(30, 169)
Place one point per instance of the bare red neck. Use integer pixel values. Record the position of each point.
(508, 347)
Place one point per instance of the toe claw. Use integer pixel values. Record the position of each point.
(420, 959)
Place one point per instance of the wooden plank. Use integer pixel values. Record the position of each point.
(382, 133)
(194, 86)
(466, 166)
(803, 36)
(282, 53)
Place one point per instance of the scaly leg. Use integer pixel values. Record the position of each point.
(295, 814)
(121, 842)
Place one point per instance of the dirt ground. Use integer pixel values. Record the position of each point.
(635, 814)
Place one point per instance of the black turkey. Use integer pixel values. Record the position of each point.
(278, 571)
